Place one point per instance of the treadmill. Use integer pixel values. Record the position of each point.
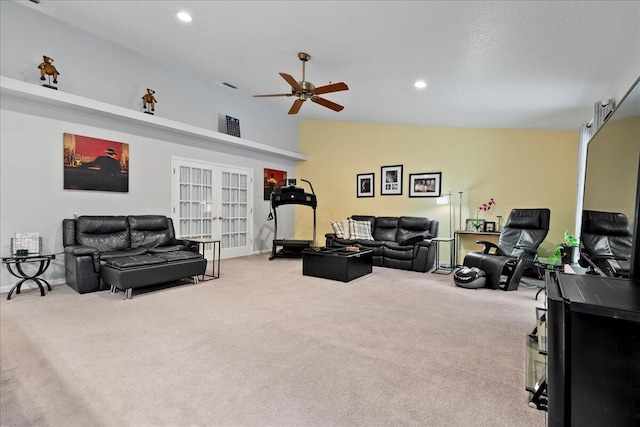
(291, 195)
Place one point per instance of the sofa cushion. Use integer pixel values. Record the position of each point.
(340, 230)
(369, 218)
(171, 248)
(393, 250)
(125, 253)
(105, 233)
(360, 230)
(386, 228)
(149, 231)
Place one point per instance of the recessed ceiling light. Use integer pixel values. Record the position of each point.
(420, 84)
(184, 16)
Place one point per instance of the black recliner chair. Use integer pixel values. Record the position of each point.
(606, 243)
(516, 250)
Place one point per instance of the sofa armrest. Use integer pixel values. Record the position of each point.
(82, 268)
(79, 250)
(329, 238)
(189, 245)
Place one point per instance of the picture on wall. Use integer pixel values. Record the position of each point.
(476, 225)
(273, 179)
(95, 164)
(391, 180)
(365, 184)
(425, 184)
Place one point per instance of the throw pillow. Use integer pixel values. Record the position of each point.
(339, 229)
(360, 230)
(412, 240)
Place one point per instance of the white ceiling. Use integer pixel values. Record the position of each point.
(499, 64)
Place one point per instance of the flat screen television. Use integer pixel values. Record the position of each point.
(613, 160)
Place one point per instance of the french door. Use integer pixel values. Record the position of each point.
(213, 201)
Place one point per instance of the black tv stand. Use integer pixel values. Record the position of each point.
(593, 362)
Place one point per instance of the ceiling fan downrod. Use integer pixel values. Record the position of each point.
(304, 57)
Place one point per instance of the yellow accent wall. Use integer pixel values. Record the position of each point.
(518, 168)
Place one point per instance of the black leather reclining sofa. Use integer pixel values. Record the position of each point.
(126, 252)
(399, 242)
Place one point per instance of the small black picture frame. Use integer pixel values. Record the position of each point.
(365, 185)
(490, 226)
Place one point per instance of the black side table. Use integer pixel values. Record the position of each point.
(202, 241)
(17, 262)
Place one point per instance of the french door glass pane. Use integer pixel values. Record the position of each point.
(196, 201)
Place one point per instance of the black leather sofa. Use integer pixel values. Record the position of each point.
(126, 252)
(399, 242)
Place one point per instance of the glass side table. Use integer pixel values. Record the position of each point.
(16, 262)
(440, 269)
(547, 263)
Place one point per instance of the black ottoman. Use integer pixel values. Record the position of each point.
(129, 272)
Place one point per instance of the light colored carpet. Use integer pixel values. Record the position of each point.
(265, 346)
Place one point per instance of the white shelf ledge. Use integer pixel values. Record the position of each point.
(34, 93)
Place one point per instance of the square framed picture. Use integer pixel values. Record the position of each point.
(365, 182)
(490, 226)
(273, 179)
(391, 180)
(425, 184)
(473, 224)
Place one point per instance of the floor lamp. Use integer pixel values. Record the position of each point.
(460, 212)
(443, 200)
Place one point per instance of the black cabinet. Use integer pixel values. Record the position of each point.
(593, 343)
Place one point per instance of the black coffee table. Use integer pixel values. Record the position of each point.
(336, 263)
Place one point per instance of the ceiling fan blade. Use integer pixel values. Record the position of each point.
(275, 94)
(327, 103)
(293, 82)
(335, 87)
(296, 106)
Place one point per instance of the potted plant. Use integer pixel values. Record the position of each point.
(477, 224)
(563, 253)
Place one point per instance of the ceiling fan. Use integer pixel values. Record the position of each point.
(306, 90)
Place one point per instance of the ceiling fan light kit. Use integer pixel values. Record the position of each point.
(304, 90)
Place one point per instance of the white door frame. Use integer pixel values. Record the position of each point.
(217, 211)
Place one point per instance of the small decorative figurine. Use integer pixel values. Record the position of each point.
(149, 101)
(47, 67)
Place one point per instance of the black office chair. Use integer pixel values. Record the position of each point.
(516, 250)
(606, 243)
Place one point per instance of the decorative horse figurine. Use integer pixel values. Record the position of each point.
(149, 101)
(47, 68)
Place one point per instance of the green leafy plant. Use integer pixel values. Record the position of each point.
(570, 240)
(561, 250)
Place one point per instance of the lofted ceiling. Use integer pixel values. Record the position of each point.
(498, 64)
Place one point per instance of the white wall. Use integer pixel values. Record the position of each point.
(32, 197)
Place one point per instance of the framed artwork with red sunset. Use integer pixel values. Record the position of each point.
(273, 179)
(95, 164)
